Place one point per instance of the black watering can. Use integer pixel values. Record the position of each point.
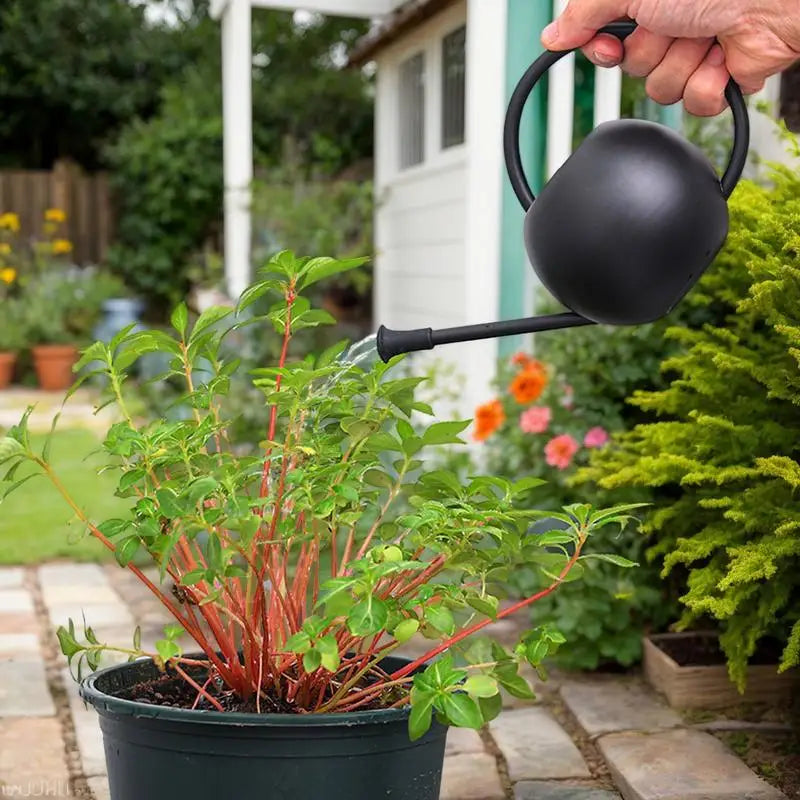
(622, 231)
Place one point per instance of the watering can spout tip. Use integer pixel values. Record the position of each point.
(394, 343)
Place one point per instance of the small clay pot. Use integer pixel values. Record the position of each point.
(53, 363)
(7, 362)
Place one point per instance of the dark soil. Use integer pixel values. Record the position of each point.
(774, 758)
(703, 650)
(172, 691)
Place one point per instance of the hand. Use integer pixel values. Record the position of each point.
(687, 49)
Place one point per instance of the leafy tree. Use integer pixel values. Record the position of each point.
(72, 72)
(723, 455)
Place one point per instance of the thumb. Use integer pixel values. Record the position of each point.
(580, 22)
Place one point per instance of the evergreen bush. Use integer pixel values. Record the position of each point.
(722, 457)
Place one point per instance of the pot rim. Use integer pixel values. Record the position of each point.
(102, 701)
(55, 348)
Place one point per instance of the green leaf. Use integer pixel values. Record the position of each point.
(179, 319)
(208, 318)
(10, 448)
(516, 686)
(419, 722)
(445, 432)
(167, 649)
(94, 352)
(481, 686)
(441, 618)
(461, 711)
(320, 268)
(617, 561)
(491, 707)
(137, 638)
(337, 596)
(537, 651)
(486, 605)
(329, 652)
(167, 503)
(127, 550)
(406, 630)
(312, 660)
(299, 643)
(368, 617)
(66, 639)
(173, 630)
(200, 489)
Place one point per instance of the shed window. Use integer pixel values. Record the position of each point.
(412, 111)
(454, 68)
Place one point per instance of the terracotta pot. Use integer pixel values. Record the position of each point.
(53, 363)
(7, 361)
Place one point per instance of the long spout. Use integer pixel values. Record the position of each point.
(393, 343)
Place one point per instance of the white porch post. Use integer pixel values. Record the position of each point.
(237, 102)
(561, 106)
(607, 95)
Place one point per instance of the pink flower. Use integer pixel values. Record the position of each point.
(560, 451)
(536, 419)
(597, 437)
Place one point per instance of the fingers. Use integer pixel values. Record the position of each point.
(704, 95)
(580, 22)
(666, 84)
(644, 51)
(605, 51)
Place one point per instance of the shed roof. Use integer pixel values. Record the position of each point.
(400, 21)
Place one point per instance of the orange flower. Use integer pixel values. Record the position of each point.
(488, 419)
(521, 359)
(530, 382)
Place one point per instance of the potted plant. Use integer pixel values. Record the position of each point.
(299, 568)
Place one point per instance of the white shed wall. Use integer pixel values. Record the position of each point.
(421, 220)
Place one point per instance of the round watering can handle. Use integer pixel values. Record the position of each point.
(622, 30)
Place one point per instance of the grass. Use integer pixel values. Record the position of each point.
(36, 524)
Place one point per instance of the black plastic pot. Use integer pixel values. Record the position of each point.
(160, 753)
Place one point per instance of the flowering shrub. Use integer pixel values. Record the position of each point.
(536, 422)
(540, 427)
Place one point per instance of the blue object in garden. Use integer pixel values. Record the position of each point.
(118, 313)
(622, 231)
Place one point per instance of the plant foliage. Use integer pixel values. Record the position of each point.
(299, 567)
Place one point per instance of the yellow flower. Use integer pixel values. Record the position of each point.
(5, 249)
(8, 275)
(10, 222)
(55, 215)
(61, 247)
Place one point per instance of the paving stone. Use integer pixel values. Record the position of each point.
(106, 615)
(99, 787)
(611, 706)
(11, 577)
(88, 596)
(680, 765)
(71, 575)
(471, 776)
(17, 623)
(16, 601)
(32, 759)
(536, 746)
(463, 740)
(90, 741)
(545, 790)
(23, 688)
(14, 643)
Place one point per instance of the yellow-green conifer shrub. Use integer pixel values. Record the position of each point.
(725, 437)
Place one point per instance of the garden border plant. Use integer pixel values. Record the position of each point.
(337, 487)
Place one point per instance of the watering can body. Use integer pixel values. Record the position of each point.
(628, 225)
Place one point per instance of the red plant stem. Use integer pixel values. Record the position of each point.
(200, 690)
(409, 668)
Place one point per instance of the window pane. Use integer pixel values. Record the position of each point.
(454, 68)
(412, 111)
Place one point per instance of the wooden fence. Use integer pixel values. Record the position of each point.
(86, 200)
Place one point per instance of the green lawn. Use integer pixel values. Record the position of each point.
(36, 524)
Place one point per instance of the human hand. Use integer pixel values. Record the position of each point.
(687, 49)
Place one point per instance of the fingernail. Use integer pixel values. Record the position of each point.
(550, 33)
(604, 59)
(716, 56)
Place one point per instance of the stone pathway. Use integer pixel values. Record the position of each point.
(588, 739)
(77, 412)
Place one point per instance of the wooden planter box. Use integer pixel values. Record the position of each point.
(710, 687)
